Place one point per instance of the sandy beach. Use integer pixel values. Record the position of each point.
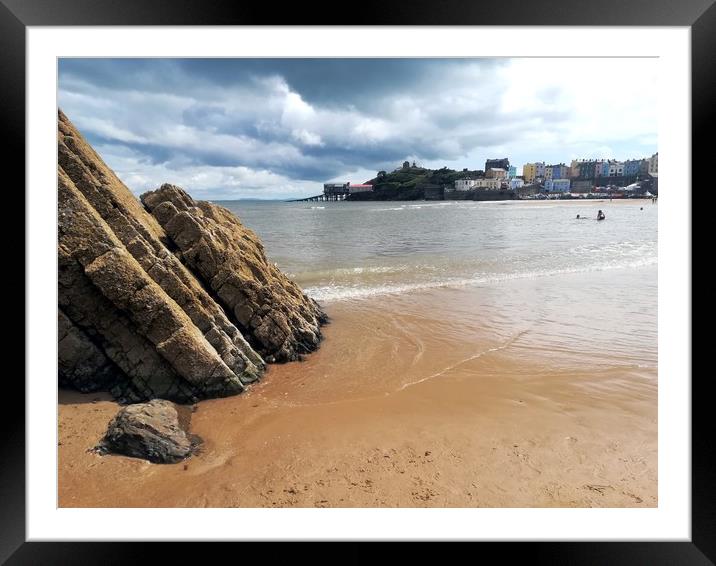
(408, 405)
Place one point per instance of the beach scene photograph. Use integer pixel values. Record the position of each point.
(357, 282)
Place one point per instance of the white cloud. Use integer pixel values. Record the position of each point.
(200, 180)
(307, 138)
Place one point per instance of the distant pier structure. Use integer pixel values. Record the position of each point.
(336, 191)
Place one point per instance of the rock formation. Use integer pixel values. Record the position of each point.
(142, 309)
(276, 317)
(153, 431)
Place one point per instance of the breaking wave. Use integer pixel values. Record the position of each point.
(337, 292)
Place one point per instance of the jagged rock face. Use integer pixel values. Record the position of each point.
(83, 365)
(277, 318)
(133, 319)
(152, 431)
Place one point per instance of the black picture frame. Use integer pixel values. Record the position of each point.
(16, 15)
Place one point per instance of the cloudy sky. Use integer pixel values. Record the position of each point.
(280, 128)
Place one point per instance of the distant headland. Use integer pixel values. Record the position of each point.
(583, 178)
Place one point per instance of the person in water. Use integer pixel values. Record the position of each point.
(600, 215)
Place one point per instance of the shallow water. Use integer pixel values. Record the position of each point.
(585, 288)
(347, 250)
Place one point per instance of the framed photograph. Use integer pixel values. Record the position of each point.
(412, 276)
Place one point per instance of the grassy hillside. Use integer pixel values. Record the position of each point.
(408, 183)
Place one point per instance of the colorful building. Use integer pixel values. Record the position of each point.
(529, 172)
(533, 171)
(601, 168)
(512, 172)
(591, 169)
(557, 185)
(560, 171)
(631, 167)
(587, 169)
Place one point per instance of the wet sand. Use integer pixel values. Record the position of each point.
(432, 399)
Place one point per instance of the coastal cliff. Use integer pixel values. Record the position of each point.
(178, 303)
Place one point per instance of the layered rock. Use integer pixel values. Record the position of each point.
(152, 431)
(133, 318)
(277, 318)
(83, 365)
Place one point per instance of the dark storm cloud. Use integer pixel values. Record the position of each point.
(334, 82)
(338, 82)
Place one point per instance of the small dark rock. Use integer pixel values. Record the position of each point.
(154, 431)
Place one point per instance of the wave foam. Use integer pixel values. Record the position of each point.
(355, 292)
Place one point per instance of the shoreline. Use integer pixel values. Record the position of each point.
(402, 406)
(470, 198)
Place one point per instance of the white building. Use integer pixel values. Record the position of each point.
(616, 168)
(465, 184)
(516, 183)
(654, 165)
(490, 184)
